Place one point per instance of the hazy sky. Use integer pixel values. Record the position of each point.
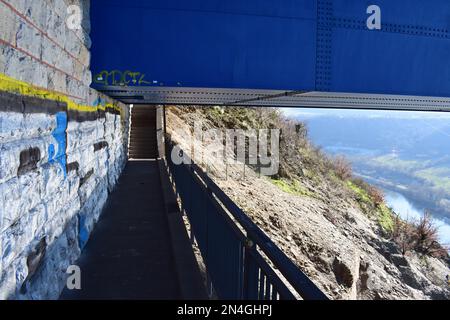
(315, 112)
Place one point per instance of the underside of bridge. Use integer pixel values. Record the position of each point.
(308, 53)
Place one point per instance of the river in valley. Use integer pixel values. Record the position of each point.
(408, 210)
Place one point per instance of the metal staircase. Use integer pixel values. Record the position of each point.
(143, 143)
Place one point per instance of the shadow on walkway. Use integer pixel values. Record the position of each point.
(129, 254)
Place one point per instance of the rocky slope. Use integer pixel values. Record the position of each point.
(323, 223)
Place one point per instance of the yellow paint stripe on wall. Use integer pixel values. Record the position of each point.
(11, 85)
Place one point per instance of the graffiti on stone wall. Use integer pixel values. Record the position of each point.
(99, 102)
(16, 94)
(62, 102)
(121, 78)
(49, 140)
(59, 155)
(83, 231)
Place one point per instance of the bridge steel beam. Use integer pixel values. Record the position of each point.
(290, 53)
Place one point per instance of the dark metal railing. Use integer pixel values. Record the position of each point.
(232, 253)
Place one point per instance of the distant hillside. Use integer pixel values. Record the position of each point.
(409, 151)
(411, 137)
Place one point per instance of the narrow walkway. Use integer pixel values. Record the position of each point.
(129, 253)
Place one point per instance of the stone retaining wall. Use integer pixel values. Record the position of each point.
(62, 145)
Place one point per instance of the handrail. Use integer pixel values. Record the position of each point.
(254, 238)
(304, 286)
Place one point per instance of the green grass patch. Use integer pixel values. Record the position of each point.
(382, 213)
(386, 218)
(293, 187)
(361, 194)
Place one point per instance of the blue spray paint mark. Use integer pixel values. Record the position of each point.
(60, 136)
(51, 152)
(99, 102)
(83, 233)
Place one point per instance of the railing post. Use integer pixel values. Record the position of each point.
(250, 287)
(209, 285)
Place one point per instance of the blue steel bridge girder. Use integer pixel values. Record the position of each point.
(379, 54)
